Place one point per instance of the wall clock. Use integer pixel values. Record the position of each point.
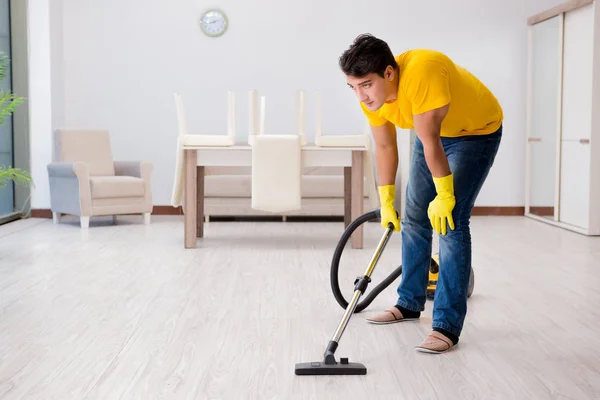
(213, 23)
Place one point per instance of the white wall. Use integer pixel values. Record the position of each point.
(123, 59)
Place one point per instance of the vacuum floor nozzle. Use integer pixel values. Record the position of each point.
(329, 365)
(320, 368)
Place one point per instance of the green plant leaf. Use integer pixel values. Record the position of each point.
(17, 175)
(8, 104)
(8, 100)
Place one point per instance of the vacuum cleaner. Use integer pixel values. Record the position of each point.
(329, 365)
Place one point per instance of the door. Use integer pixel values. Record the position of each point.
(577, 116)
(577, 73)
(575, 187)
(544, 116)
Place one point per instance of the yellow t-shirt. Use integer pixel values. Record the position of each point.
(429, 80)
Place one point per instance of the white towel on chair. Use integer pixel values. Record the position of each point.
(276, 173)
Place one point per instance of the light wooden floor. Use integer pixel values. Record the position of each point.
(124, 312)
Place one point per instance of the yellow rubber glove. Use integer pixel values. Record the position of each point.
(387, 194)
(440, 209)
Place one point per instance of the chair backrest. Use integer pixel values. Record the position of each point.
(182, 120)
(91, 146)
(256, 126)
(319, 118)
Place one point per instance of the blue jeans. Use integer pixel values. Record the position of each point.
(470, 160)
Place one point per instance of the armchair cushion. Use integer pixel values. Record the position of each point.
(104, 187)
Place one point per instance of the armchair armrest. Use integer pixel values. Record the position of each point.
(70, 190)
(139, 169)
(69, 169)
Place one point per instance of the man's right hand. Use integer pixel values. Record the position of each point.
(386, 158)
(387, 194)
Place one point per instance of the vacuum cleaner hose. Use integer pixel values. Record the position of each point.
(335, 265)
(337, 255)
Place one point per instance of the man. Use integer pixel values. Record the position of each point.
(458, 123)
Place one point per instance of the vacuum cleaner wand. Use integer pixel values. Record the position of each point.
(329, 365)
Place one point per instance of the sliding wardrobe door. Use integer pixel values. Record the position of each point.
(576, 116)
(544, 113)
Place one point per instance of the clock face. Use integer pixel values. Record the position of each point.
(213, 23)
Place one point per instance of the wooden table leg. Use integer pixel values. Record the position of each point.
(347, 196)
(200, 201)
(189, 200)
(358, 195)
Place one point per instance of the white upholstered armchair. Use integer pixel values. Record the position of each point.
(86, 181)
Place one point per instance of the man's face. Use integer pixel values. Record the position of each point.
(372, 90)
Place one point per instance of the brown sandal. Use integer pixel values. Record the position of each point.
(435, 343)
(390, 316)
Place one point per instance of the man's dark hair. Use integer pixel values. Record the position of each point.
(366, 55)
